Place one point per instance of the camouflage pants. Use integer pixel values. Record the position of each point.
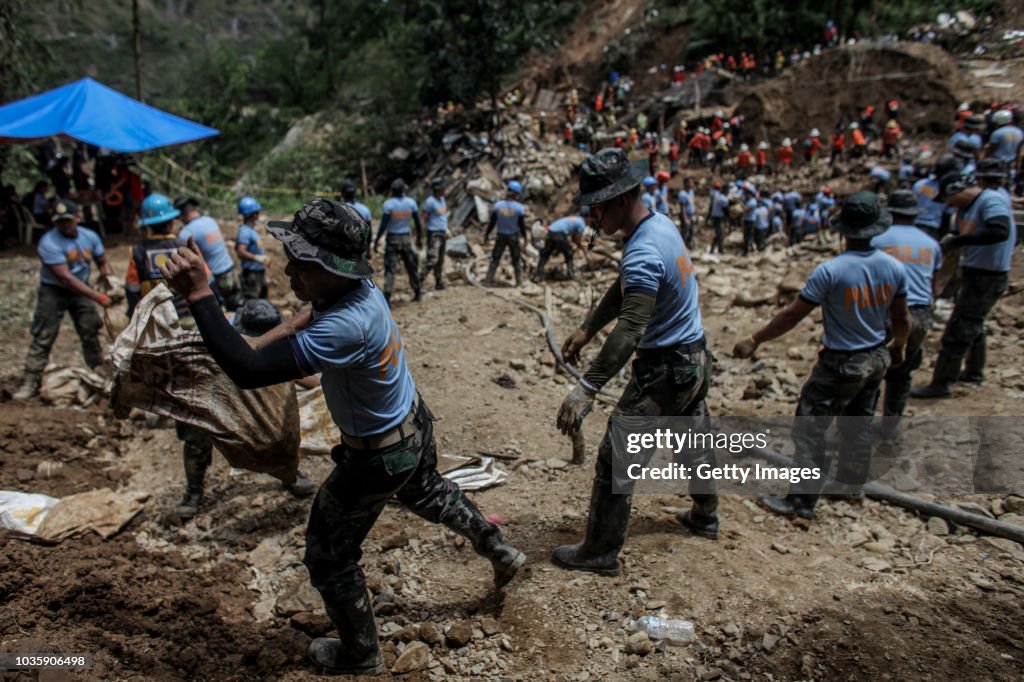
(354, 494)
(664, 384)
(561, 244)
(51, 304)
(898, 379)
(436, 242)
(230, 289)
(978, 293)
(399, 247)
(842, 384)
(254, 284)
(198, 453)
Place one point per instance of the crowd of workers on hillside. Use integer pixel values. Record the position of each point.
(953, 202)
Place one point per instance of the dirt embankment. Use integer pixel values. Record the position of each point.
(836, 85)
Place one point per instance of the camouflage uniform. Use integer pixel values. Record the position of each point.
(399, 246)
(254, 284)
(978, 293)
(511, 241)
(51, 304)
(897, 379)
(552, 243)
(436, 242)
(230, 288)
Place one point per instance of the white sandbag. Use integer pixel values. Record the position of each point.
(23, 512)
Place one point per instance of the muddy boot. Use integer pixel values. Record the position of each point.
(466, 520)
(702, 518)
(29, 387)
(974, 365)
(491, 269)
(357, 650)
(440, 285)
(946, 372)
(791, 505)
(570, 269)
(519, 277)
(301, 486)
(607, 523)
(196, 462)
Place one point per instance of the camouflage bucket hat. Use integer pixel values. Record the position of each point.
(329, 233)
(861, 217)
(607, 174)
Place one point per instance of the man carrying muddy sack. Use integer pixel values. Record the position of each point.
(387, 436)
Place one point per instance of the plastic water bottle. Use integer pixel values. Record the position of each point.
(675, 631)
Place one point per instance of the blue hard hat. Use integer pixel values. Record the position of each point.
(247, 206)
(156, 209)
(585, 210)
(650, 181)
(514, 186)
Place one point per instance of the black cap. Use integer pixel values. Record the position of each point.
(398, 185)
(181, 201)
(947, 163)
(861, 217)
(65, 209)
(437, 183)
(329, 233)
(606, 175)
(903, 203)
(991, 169)
(256, 317)
(348, 187)
(952, 183)
(975, 122)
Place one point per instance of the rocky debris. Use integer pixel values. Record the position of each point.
(313, 624)
(415, 656)
(639, 643)
(460, 634)
(938, 526)
(394, 541)
(431, 633)
(298, 596)
(505, 381)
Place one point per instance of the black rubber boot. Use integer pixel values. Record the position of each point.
(519, 277)
(702, 518)
(491, 270)
(196, 462)
(465, 519)
(301, 486)
(29, 386)
(417, 296)
(946, 372)
(789, 506)
(357, 649)
(607, 524)
(570, 269)
(440, 285)
(974, 363)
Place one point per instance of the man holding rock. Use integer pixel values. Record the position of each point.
(655, 300)
(859, 291)
(386, 428)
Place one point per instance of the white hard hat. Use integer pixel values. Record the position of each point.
(744, 148)
(786, 142)
(854, 126)
(1002, 117)
(763, 145)
(815, 132)
(964, 106)
(719, 113)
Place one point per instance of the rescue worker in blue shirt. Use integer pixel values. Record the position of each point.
(987, 234)
(749, 216)
(66, 252)
(435, 211)
(249, 247)
(386, 429)
(400, 214)
(206, 233)
(921, 256)
(966, 151)
(933, 215)
(974, 126)
(718, 209)
(1004, 143)
(687, 213)
(656, 302)
(762, 222)
(647, 197)
(348, 195)
(562, 235)
(661, 192)
(509, 216)
(860, 291)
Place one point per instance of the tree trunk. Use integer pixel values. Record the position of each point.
(137, 49)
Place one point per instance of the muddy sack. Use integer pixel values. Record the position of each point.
(162, 368)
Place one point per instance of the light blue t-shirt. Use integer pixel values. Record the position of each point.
(508, 213)
(812, 219)
(855, 291)
(356, 347)
(991, 203)
(719, 205)
(568, 225)
(790, 198)
(655, 261)
(921, 257)
(436, 211)
(762, 218)
(210, 240)
(78, 254)
(250, 238)
(931, 209)
(649, 201)
(1006, 140)
(361, 209)
(399, 212)
(776, 224)
(750, 208)
(661, 199)
(974, 138)
(685, 199)
(796, 218)
(879, 173)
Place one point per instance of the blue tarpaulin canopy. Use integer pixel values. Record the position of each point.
(91, 112)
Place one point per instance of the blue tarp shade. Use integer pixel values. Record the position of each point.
(91, 112)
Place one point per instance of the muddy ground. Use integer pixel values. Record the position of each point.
(868, 592)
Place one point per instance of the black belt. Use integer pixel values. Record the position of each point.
(670, 352)
(836, 351)
(382, 440)
(981, 272)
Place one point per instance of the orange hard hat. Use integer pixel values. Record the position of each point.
(662, 176)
